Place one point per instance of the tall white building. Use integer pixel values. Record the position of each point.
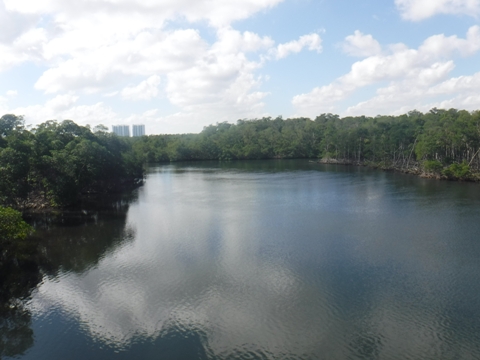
(121, 130)
(138, 130)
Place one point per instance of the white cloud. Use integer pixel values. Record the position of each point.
(216, 12)
(442, 46)
(404, 95)
(312, 41)
(104, 47)
(321, 99)
(103, 30)
(416, 10)
(221, 74)
(466, 84)
(231, 41)
(146, 90)
(98, 68)
(14, 24)
(190, 119)
(408, 71)
(103, 66)
(63, 107)
(61, 102)
(207, 83)
(12, 93)
(459, 102)
(361, 45)
(26, 47)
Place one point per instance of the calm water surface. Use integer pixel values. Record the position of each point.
(265, 260)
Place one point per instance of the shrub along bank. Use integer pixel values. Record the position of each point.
(439, 143)
(56, 164)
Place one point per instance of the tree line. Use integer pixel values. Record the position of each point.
(442, 143)
(56, 163)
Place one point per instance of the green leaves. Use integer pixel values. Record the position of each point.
(61, 161)
(458, 171)
(12, 226)
(415, 141)
(433, 166)
(9, 123)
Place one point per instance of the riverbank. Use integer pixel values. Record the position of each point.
(415, 168)
(38, 202)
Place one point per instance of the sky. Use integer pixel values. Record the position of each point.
(179, 65)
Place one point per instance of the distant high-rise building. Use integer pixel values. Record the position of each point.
(138, 130)
(121, 130)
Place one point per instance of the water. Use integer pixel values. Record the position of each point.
(263, 260)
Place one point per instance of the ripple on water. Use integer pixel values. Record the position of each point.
(290, 264)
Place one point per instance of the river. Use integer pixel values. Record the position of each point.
(263, 260)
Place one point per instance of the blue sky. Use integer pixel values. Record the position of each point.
(179, 65)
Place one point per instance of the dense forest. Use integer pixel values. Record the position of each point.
(439, 143)
(55, 164)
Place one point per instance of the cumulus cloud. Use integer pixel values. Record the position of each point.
(361, 45)
(204, 81)
(63, 107)
(14, 24)
(102, 30)
(146, 90)
(221, 76)
(61, 102)
(103, 47)
(311, 41)
(231, 41)
(216, 12)
(441, 45)
(189, 119)
(465, 84)
(26, 47)
(404, 95)
(97, 68)
(410, 72)
(416, 10)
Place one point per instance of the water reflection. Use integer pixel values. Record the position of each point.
(18, 278)
(73, 240)
(283, 262)
(16, 335)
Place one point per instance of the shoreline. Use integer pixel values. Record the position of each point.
(414, 169)
(37, 204)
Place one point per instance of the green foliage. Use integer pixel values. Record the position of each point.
(433, 140)
(433, 166)
(457, 171)
(10, 122)
(61, 162)
(64, 161)
(12, 226)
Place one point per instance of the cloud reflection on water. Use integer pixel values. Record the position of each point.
(302, 264)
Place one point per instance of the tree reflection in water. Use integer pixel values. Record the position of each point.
(18, 278)
(16, 336)
(61, 247)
